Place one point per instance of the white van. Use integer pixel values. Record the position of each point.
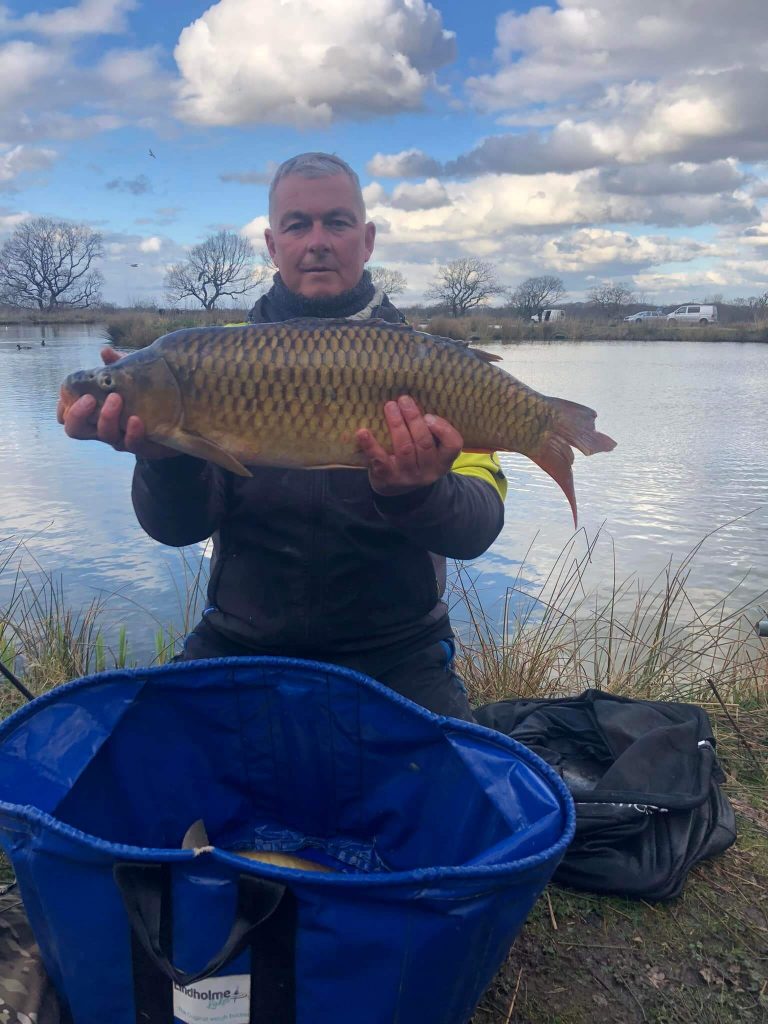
(694, 314)
(549, 314)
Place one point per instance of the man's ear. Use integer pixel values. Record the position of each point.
(370, 238)
(269, 239)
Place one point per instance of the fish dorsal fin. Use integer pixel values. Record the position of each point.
(489, 357)
(314, 322)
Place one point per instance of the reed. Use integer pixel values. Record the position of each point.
(650, 641)
(45, 641)
(646, 640)
(134, 329)
(505, 329)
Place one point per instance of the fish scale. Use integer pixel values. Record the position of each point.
(295, 393)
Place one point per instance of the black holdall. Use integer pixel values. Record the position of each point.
(645, 780)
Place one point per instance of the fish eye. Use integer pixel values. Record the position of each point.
(106, 380)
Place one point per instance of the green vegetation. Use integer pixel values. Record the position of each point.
(580, 958)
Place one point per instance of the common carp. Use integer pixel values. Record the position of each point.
(282, 860)
(295, 393)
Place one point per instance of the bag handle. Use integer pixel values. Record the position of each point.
(145, 889)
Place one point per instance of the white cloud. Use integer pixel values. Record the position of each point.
(254, 231)
(409, 163)
(374, 194)
(303, 63)
(582, 250)
(484, 209)
(427, 195)
(18, 160)
(23, 66)
(9, 220)
(151, 244)
(685, 80)
(89, 17)
(548, 53)
(46, 93)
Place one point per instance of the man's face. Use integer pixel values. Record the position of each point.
(317, 236)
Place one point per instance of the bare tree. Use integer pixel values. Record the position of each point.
(222, 264)
(536, 294)
(757, 305)
(611, 298)
(465, 284)
(47, 263)
(393, 282)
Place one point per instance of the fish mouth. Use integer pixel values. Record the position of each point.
(67, 397)
(75, 386)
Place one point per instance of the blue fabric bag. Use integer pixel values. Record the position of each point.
(439, 834)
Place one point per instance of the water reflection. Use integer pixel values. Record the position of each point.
(687, 418)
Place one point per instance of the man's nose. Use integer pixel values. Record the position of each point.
(318, 239)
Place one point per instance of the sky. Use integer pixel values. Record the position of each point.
(596, 140)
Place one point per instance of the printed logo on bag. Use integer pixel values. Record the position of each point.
(214, 1001)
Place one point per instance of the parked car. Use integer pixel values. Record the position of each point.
(699, 314)
(646, 314)
(548, 314)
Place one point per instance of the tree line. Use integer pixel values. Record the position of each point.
(49, 264)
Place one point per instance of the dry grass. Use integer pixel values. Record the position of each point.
(566, 638)
(507, 330)
(45, 642)
(139, 328)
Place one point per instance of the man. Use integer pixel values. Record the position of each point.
(334, 565)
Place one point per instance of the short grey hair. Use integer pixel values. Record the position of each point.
(315, 165)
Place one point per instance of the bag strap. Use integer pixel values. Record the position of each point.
(265, 918)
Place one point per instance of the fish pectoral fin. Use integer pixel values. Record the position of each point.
(190, 443)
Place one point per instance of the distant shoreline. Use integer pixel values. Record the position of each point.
(140, 328)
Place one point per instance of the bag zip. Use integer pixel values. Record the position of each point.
(640, 808)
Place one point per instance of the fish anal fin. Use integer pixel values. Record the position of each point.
(190, 443)
(555, 456)
(576, 423)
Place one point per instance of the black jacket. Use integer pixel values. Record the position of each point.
(312, 563)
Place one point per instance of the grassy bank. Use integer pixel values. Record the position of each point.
(137, 329)
(580, 958)
(508, 330)
(701, 959)
(32, 317)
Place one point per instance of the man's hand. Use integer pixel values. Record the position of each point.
(423, 449)
(83, 422)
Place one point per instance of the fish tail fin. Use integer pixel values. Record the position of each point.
(574, 425)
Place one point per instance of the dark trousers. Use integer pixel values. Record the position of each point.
(425, 676)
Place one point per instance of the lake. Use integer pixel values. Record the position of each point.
(687, 417)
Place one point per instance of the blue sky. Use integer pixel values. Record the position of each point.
(585, 140)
